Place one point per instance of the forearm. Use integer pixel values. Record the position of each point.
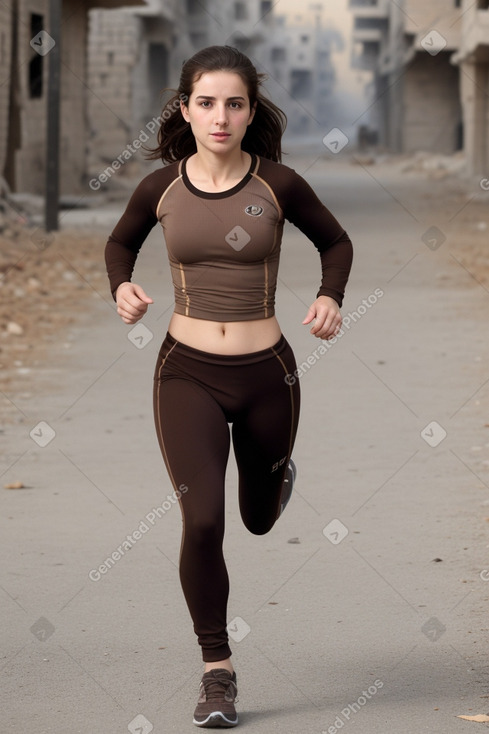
(120, 263)
(336, 262)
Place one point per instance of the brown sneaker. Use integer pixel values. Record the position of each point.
(217, 693)
(287, 486)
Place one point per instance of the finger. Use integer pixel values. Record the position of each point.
(328, 332)
(323, 323)
(134, 305)
(131, 313)
(139, 292)
(311, 314)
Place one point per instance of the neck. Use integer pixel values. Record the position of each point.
(206, 165)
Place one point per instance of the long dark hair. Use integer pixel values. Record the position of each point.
(263, 136)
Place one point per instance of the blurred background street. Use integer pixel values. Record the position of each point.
(365, 608)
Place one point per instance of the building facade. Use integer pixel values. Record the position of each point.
(24, 54)
(415, 99)
(473, 61)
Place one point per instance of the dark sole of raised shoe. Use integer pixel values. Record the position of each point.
(216, 721)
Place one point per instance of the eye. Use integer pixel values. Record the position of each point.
(235, 105)
(205, 104)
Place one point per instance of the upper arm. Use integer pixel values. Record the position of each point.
(303, 208)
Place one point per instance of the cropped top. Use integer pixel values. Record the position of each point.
(224, 248)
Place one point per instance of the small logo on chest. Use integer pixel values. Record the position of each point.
(254, 210)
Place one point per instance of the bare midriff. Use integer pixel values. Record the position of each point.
(225, 337)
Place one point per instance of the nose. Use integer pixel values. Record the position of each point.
(221, 114)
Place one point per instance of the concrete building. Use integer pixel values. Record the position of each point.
(301, 75)
(473, 60)
(134, 53)
(24, 57)
(415, 97)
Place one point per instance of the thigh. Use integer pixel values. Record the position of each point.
(263, 439)
(194, 439)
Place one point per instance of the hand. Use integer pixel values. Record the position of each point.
(132, 302)
(328, 317)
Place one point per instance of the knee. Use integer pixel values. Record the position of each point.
(203, 532)
(259, 526)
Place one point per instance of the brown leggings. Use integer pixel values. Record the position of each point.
(196, 395)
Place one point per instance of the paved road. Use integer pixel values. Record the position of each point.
(365, 609)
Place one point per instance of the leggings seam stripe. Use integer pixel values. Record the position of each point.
(292, 421)
(162, 442)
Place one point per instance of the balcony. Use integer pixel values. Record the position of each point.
(367, 35)
(376, 9)
(367, 58)
(163, 9)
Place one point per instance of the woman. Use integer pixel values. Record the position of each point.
(222, 200)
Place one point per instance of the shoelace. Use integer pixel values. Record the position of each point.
(216, 688)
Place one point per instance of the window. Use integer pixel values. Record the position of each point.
(36, 62)
(265, 7)
(193, 7)
(304, 39)
(482, 4)
(240, 11)
(278, 54)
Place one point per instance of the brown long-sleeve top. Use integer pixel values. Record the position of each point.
(224, 248)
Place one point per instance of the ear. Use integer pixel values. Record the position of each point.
(252, 113)
(184, 111)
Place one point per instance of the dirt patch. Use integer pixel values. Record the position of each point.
(46, 285)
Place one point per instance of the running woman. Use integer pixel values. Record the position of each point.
(222, 199)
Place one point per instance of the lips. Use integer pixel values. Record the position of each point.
(220, 135)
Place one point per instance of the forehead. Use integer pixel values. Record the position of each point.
(220, 84)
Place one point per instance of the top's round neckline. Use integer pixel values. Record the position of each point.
(217, 194)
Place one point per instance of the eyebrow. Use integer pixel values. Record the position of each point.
(213, 99)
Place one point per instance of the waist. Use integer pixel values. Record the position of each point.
(233, 337)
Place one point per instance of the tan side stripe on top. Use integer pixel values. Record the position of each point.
(265, 299)
(184, 288)
(279, 208)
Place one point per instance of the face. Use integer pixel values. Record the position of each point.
(218, 111)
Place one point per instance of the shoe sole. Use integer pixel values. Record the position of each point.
(216, 720)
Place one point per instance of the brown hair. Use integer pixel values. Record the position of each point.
(264, 134)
